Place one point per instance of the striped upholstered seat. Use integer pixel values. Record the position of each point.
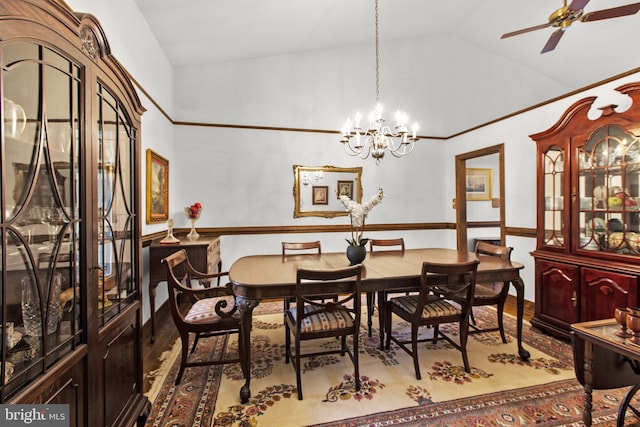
(204, 310)
(324, 320)
(439, 308)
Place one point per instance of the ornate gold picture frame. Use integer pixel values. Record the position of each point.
(157, 188)
(316, 189)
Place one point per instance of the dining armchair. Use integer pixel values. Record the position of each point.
(446, 296)
(494, 293)
(384, 244)
(311, 319)
(211, 311)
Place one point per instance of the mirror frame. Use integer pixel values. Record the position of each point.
(339, 174)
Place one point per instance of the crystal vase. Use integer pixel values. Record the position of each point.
(192, 215)
(193, 234)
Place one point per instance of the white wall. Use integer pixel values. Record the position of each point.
(244, 177)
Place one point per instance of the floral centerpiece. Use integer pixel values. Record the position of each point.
(193, 213)
(358, 213)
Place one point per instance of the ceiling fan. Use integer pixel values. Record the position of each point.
(567, 15)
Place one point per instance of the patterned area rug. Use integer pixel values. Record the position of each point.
(500, 390)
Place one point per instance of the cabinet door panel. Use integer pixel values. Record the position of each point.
(603, 291)
(120, 364)
(556, 293)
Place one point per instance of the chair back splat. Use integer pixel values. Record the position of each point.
(211, 310)
(300, 246)
(312, 319)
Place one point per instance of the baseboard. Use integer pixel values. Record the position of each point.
(163, 312)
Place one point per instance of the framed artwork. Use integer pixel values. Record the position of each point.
(320, 194)
(157, 188)
(316, 190)
(345, 188)
(478, 184)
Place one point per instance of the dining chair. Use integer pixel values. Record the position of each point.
(386, 244)
(311, 319)
(211, 311)
(493, 293)
(301, 246)
(292, 248)
(446, 295)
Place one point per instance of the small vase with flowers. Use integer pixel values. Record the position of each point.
(193, 213)
(357, 249)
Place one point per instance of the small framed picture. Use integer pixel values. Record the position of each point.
(479, 184)
(320, 194)
(345, 188)
(157, 188)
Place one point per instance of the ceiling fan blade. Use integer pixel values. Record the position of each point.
(578, 4)
(615, 12)
(524, 30)
(553, 41)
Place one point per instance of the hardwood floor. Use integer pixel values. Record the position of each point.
(166, 334)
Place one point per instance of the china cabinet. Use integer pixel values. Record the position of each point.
(587, 256)
(70, 250)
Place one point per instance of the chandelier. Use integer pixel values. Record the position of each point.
(377, 137)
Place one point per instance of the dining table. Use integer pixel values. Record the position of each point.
(264, 277)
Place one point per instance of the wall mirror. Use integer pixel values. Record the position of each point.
(316, 189)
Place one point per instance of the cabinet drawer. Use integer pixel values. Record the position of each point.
(603, 291)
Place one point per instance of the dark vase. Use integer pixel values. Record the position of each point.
(356, 254)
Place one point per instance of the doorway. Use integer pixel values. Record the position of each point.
(494, 201)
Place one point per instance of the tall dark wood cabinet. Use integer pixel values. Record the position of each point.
(587, 257)
(70, 273)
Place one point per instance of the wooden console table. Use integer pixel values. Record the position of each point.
(603, 360)
(204, 255)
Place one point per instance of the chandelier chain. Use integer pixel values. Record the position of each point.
(377, 58)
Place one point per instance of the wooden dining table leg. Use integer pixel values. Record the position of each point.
(382, 307)
(246, 306)
(518, 283)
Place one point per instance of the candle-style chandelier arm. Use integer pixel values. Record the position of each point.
(377, 137)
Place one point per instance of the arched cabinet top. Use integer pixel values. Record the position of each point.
(54, 23)
(576, 116)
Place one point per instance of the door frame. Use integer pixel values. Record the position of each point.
(461, 192)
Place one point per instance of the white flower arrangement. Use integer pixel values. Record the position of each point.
(358, 212)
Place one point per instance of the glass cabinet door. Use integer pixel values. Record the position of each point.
(608, 192)
(40, 244)
(116, 222)
(554, 179)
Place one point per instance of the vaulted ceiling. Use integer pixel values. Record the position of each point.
(194, 32)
